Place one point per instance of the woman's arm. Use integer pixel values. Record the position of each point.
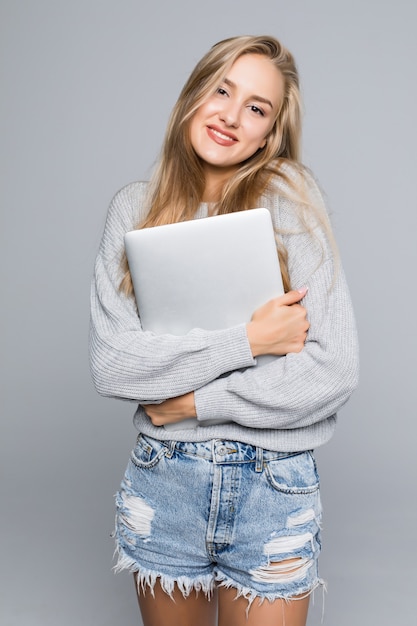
(127, 362)
(294, 391)
(305, 386)
(277, 327)
(300, 388)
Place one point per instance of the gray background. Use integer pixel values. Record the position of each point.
(86, 90)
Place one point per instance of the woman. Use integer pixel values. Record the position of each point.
(223, 521)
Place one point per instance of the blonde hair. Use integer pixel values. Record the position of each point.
(177, 185)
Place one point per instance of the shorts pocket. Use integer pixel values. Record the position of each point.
(293, 474)
(147, 452)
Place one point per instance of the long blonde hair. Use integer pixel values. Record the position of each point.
(177, 185)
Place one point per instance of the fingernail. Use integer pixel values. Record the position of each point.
(303, 290)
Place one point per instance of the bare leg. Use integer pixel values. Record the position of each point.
(160, 609)
(233, 611)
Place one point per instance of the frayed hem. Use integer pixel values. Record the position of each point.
(250, 594)
(146, 579)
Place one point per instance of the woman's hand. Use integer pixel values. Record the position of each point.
(172, 410)
(280, 326)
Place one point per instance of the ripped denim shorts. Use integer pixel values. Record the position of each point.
(220, 513)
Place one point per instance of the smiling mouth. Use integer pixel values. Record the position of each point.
(221, 137)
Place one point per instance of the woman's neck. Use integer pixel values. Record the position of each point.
(216, 178)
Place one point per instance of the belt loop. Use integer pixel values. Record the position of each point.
(259, 459)
(170, 448)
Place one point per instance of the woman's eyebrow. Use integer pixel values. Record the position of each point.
(230, 83)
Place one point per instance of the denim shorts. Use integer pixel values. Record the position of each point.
(220, 513)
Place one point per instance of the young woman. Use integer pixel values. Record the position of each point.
(223, 521)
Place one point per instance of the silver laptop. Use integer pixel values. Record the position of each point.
(209, 273)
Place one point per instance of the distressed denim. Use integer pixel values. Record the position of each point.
(220, 513)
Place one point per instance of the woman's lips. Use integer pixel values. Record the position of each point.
(220, 137)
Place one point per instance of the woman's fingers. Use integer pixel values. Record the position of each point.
(279, 326)
(291, 297)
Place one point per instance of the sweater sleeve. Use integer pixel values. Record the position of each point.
(127, 362)
(297, 390)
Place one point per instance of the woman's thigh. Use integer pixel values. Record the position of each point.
(159, 609)
(234, 611)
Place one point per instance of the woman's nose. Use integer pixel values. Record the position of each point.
(230, 115)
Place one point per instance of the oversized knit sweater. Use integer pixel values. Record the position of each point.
(288, 404)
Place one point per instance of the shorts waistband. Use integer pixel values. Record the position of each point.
(220, 451)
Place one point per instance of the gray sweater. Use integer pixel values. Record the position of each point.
(289, 404)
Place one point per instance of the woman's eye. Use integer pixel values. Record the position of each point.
(221, 91)
(256, 110)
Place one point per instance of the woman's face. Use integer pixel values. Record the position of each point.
(234, 122)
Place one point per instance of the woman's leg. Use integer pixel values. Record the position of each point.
(160, 609)
(233, 611)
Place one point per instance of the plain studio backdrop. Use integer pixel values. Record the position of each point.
(86, 89)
